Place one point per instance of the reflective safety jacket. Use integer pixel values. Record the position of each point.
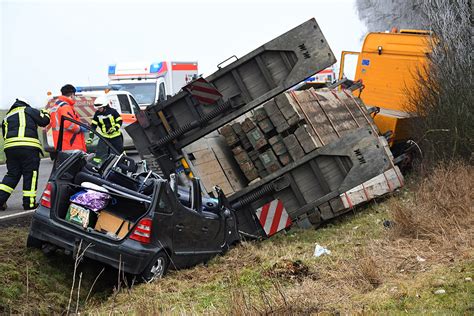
(109, 122)
(20, 126)
(73, 138)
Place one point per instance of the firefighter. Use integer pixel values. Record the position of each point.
(73, 134)
(22, 150)
(108, 121)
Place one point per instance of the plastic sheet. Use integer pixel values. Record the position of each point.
(91, 199)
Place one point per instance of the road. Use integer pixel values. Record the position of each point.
(15, 206)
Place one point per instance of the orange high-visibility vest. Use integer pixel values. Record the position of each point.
(73, 138)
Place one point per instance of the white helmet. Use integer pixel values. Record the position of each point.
(101, 101)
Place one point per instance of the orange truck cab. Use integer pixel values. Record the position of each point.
(122, 101)
(387, 66)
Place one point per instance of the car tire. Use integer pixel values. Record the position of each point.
(157, 267)
(33, 242)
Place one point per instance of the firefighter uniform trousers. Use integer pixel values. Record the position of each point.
(21, 162)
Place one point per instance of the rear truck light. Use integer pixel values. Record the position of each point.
(46, 197)
(142, 231)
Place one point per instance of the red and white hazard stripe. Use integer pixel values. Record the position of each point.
(273, 217)
(203, 91)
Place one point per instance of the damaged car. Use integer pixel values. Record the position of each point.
(123, 215)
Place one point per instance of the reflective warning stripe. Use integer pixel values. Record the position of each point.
(32, 192)
(10, 140)
(5, 123)
(14, 111)
(17, 144)
(22, 118)
(6, 188)
(273, 217)
(102, 127)
(44, 113)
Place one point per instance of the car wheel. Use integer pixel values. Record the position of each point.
(33, 242)
(157, 268)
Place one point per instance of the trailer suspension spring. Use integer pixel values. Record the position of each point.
(253, 196)
(191, 125)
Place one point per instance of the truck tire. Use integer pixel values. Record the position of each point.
(157, 268)
(33, 242)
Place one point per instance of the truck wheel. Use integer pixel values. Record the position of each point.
(157, 268)
(33, 242)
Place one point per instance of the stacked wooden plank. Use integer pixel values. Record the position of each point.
(290, 126)
(213, 162)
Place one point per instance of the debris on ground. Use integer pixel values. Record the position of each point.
(288, 269)
(319, 251)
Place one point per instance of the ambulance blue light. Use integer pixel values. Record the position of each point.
(310, 79)
(111, 69)
(78, 89)
(156, 67)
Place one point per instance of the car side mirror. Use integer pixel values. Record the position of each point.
(222, 202)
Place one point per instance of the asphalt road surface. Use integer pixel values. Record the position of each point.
(15, 207)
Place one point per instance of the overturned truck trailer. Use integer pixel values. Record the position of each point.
(313, 184)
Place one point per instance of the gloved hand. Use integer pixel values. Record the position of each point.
(89, 141)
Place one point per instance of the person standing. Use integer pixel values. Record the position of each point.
(108, 122)
(22, 150)
(73, 134)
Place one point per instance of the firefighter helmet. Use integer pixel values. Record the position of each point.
(101, 102)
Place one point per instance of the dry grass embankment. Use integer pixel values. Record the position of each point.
(374, 269)
(428, 248)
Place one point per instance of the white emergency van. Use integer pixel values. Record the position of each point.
(151, 82)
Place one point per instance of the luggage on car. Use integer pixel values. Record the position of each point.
(112, 225)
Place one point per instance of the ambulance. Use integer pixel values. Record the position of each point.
(122, 101)
(151, 82)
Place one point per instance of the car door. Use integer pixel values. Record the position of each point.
(212, 234)
(186, 225)
(211, 225)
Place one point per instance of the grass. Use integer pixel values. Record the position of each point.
(31, 282)
(371, 269)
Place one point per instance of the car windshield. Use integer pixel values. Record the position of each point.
(144, 93)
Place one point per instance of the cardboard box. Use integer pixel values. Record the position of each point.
(109, 223)
(78, 215)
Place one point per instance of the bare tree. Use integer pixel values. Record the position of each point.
(382, 15)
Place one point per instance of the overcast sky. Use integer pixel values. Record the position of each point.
(46, 44)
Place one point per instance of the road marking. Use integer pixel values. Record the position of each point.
(16, 215)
